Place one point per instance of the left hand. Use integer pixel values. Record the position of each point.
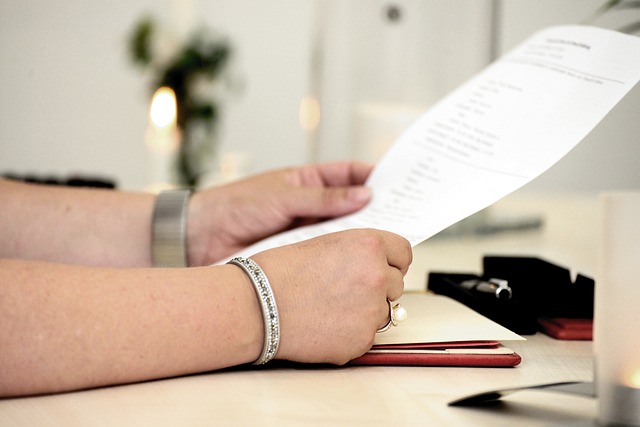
(223, 220)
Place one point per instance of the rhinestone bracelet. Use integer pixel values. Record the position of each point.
(268, 305)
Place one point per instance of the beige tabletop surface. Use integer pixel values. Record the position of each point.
(286, 395)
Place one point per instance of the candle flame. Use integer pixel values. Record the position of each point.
(309, 113)
(164, 108)
(634, 379)
(163, 136)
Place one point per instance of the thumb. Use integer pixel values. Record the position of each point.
(332, 201)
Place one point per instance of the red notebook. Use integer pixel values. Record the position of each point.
(567, 329)
(440, 331)
(490, 355)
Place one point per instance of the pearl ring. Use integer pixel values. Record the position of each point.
(397, 314)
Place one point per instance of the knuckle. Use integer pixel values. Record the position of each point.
(372, 242)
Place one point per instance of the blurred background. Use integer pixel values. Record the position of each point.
(299, 81)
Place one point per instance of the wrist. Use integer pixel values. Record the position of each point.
(270, 316)
(196, 234)
(169, 229)
(205, 234)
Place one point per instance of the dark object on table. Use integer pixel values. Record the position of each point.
(72, 181)
(543, 296)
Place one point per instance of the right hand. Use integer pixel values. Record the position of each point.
(332, 292)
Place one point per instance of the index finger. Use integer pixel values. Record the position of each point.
(399, 252)
(397, 249)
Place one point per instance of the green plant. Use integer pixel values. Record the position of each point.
(202, 58)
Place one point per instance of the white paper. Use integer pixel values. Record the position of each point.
(436, 319)
(493, 134)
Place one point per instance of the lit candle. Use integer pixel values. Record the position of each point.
(617, 318)
(162, 137)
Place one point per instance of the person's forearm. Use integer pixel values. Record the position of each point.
(65, 327)
(90, 227)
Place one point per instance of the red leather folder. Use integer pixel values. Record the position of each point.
(461, 354)
(566, 328)
(440, 331)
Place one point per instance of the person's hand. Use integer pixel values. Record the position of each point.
(332, 292)
(223, 220)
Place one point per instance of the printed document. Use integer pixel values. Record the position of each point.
(493, 134)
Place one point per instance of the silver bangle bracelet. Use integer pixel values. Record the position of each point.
(268, 305)
(169, 229)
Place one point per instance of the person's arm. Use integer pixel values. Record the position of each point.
(72, 225)
(66, 327)
(113, 228)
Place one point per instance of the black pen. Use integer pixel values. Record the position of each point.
(499, 287)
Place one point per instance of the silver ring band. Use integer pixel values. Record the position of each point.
(268, 305)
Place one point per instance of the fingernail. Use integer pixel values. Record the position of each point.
(360, 194)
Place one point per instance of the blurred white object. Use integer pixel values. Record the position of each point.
(617, 317)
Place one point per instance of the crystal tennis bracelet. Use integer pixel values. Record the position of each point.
(268, 305)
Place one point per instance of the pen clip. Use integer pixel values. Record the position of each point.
(498, 287)
(503, 290)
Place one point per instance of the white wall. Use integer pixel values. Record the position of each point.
(70, 101)
(375, 75)
(272, 40)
